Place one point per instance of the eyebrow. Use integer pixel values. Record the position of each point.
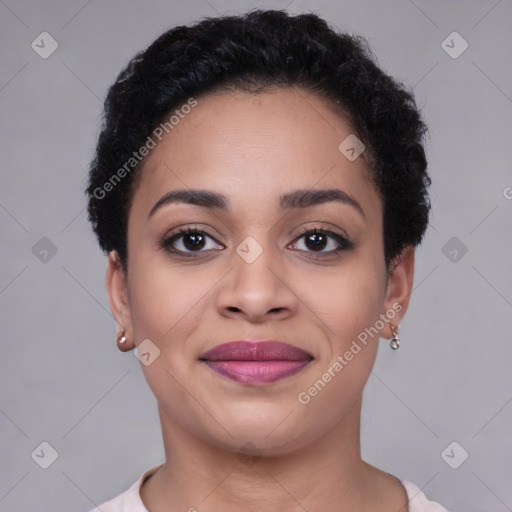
(302, 198)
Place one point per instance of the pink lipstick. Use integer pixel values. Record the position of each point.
(256, 363)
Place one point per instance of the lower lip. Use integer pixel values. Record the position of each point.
(257, 372)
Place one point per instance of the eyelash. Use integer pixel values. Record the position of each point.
(168, 240)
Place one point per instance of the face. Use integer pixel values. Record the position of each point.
(291, 252)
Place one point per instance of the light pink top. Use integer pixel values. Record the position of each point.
(130, 501)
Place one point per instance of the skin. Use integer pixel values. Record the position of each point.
(252, 148)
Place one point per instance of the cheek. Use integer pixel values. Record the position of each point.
(347, 300)
(349, 303)
(165, 305)
(162, 298)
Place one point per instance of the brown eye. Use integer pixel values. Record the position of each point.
(193, 241)
(317, 240)
(189, 241)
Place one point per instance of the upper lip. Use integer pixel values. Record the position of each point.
(264, 350)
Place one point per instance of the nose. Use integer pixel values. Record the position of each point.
(257, 291)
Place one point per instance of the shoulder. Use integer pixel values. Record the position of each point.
(418, 502)
(129, 500)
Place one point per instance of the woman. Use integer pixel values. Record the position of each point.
(260, 186)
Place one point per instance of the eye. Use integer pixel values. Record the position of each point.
(321, 241)
(189, 240)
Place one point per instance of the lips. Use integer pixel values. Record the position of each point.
(256, 363)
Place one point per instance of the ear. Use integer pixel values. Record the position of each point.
(117, 289)
(399, 287)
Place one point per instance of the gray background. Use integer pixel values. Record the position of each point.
(63, 380)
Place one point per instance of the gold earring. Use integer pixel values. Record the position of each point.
(395, 340)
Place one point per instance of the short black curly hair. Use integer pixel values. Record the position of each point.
(255, 51)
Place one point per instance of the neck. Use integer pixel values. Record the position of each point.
(327, 474)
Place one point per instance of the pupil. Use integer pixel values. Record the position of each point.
(197, 242)
(315, 241)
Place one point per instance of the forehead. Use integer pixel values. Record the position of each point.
(254, 148)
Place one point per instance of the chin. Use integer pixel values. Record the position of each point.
(261, 429)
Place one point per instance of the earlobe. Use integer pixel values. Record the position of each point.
(116, 283)
(399, 287)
